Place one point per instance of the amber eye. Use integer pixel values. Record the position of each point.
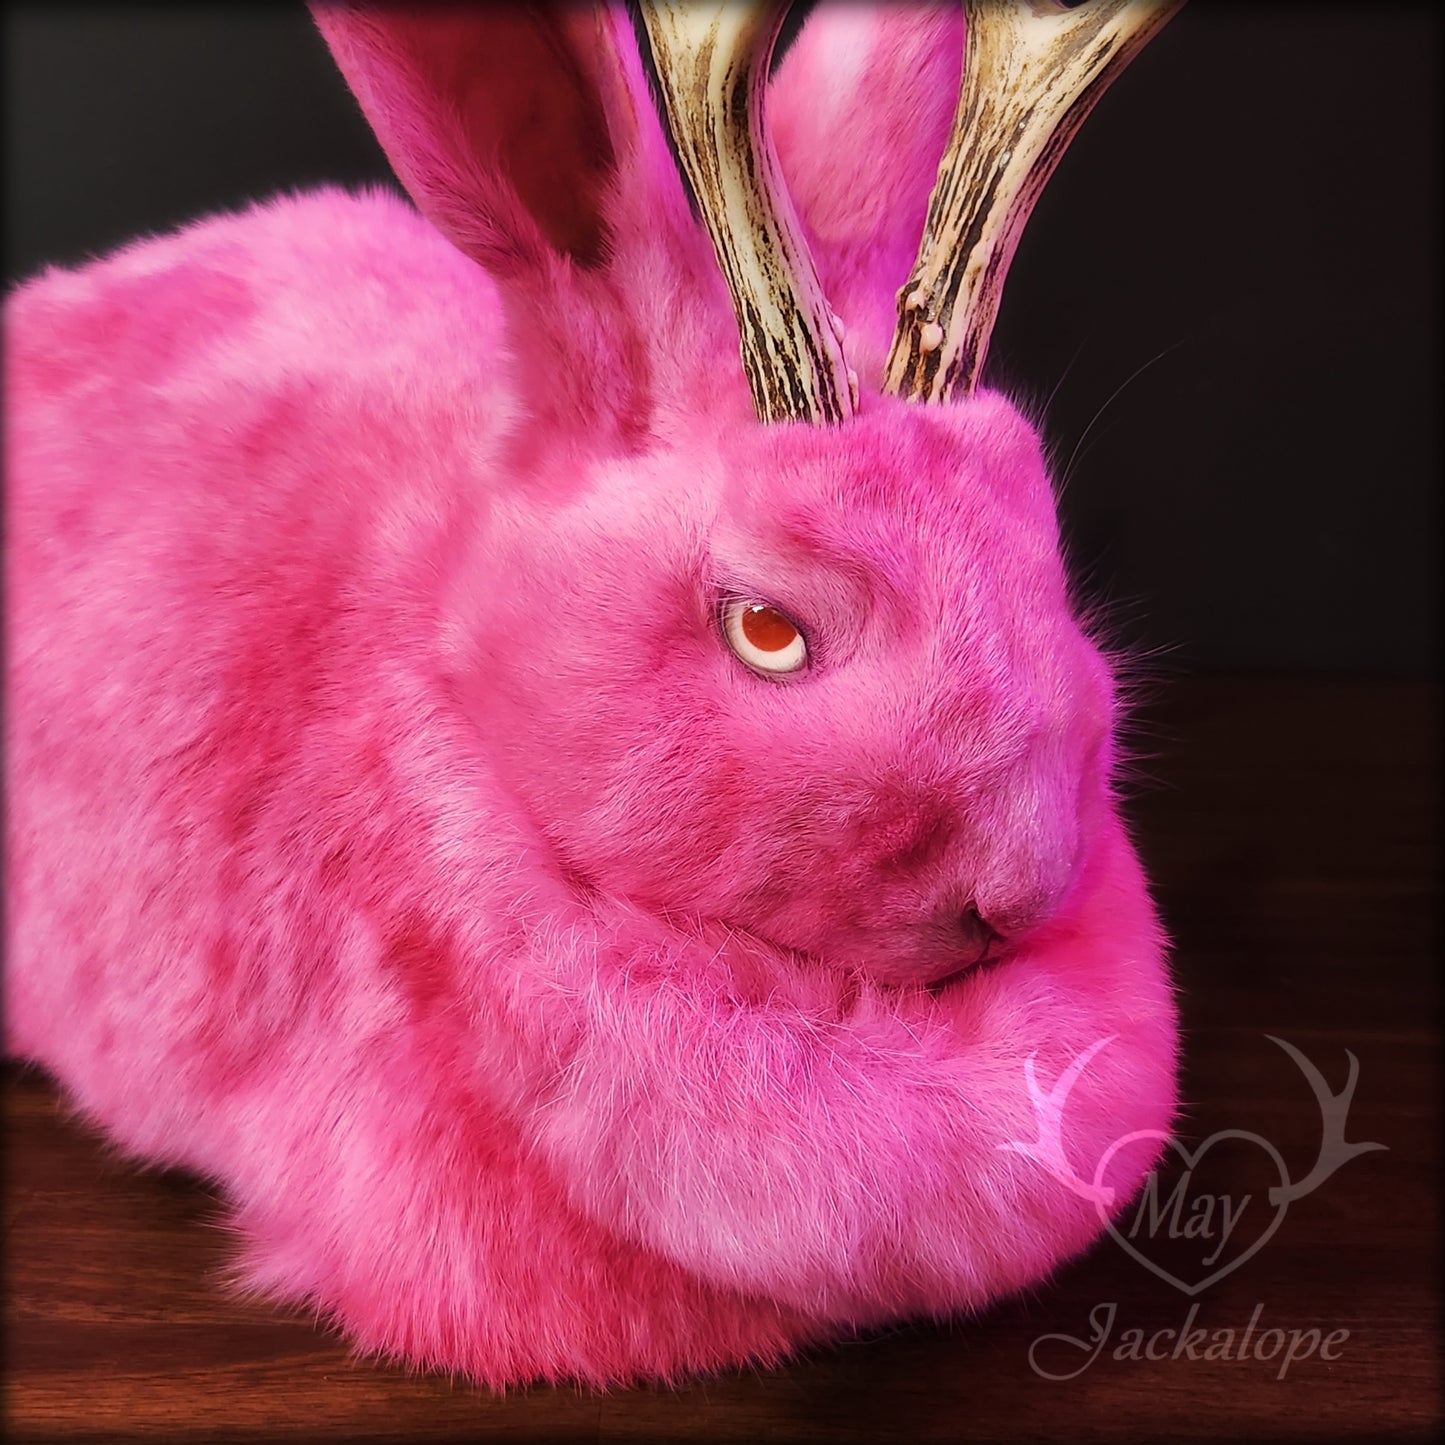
(763, 638)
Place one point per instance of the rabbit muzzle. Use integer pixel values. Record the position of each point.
(1002, 868)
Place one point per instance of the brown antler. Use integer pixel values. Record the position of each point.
(1032, 72)
(712, 68)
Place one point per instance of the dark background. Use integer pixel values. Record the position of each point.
(1228, 291)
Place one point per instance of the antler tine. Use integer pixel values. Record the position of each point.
(1032, 72)
(712, 67)
(1334, 1113)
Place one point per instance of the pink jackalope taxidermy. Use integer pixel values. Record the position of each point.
(579, 830)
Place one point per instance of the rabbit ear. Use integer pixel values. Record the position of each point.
(502, 122)
(859, 149)
(526, 136)
(860, 109)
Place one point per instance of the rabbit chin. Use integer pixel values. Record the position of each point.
(871, 935)
(898, 959)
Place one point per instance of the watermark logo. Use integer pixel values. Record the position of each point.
(1227, 1199)
(1066, 1357)
(1189, 1210)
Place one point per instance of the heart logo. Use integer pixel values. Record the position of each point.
(1203, 1222)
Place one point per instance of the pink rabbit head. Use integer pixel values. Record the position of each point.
(915, 792)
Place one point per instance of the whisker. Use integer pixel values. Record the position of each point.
(1110, 400)
(1063, 377)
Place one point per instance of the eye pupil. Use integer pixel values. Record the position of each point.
(767, 629)
(763, 639)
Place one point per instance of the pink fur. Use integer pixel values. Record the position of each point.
(393, 838)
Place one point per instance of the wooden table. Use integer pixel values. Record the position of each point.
(1290, 825)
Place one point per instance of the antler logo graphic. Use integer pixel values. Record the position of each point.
(1182, 1214)
(1048, 1148)
(1334, 1110)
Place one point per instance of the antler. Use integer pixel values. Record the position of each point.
(1032, 72)
(712, 68)
(1334, 1111)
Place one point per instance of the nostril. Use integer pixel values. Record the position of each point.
(978, 932)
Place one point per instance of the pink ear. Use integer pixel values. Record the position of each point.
(860, 109)
(501, 121)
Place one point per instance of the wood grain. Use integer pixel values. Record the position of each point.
(1292, 833)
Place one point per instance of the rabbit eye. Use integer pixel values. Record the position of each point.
(763, 638)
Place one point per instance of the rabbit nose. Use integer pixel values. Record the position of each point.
(980, 938)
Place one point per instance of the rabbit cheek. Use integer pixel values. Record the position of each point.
(856, 889)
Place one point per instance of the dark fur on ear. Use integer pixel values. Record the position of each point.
(494, 117)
